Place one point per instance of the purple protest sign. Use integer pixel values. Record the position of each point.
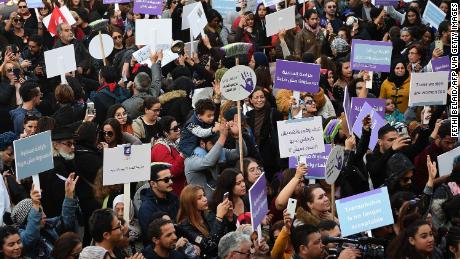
(115, 1)
(297, 76)
(357, 103)
(386, 2)
(441, 64)
(371, 55)
(258, 201)
(316, 163)
(152, 7)
(377, 122)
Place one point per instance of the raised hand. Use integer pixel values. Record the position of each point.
(70, 185)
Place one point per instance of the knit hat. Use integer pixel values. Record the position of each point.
(340, 45)
(93, 252)
(7, 139)
(331, 130)
(21, 211)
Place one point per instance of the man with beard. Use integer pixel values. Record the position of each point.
(52, 181)
(311, 38)
(164, 241)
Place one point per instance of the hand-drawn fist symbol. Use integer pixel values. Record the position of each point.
(248, 83)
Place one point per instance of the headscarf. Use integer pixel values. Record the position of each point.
(120, 199)
(21, 211)
(397, 80)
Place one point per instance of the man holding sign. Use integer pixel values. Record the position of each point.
(66, 37)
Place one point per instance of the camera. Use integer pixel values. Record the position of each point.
(371, 248)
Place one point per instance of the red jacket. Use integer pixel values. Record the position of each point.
(162, 152)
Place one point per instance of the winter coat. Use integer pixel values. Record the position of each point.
(307, 41)
(53, 185)
(388, 91)
(38, 242)
(71, 115)
(217, 229)
(193, 130)
(163, 151)
(152, 204)
(176, 104)
(148, 253)
(88, 160)
(82, 57)
(140, 132)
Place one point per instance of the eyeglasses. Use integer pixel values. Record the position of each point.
(107, 133)
(310, 102)
(121, 115)
(332, 7)
(69, 144)
(117, 37)
(118, 227)
(248, 254)
(175, 128)
(155, 110)
(165, 180)
(22, 6)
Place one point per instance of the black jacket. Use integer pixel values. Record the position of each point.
(177, 104)
(208, 244)
(82, 57)
(353, 178)
(88, 160)
(148, 253)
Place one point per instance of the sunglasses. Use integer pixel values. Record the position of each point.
(22, 6)
(175, 129)
(9, 70)
(310, 102)
(165, 180)
(17, 20)
(117, 37)
(156, 110)
(107, 133)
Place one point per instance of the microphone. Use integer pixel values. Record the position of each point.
(327, 240)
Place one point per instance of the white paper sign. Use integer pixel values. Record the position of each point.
(238, 83)
(433, 15)
(268, 3)
(201, 93)
(334, 164)
(428, 88)
(153, 31)
(168, 57)
(95, 48)
(448, 160)
(300, 137)
(197, 20)
(60, 61)
(142, 55)
(283, 19)
(120, 167)
(187, 9)
(188, 47)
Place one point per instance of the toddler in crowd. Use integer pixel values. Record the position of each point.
(392, 114)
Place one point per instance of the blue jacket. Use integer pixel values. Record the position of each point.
(151, 204)
(39, 242)
(188, 140)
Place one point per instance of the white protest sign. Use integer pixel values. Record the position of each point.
(168, 57)
(283, 19)
(190, 47)
(428, 88)
(334, 164)
(202, 93)
(433, 15)
(238, 83)
(153, 32)
(197, 20)
(300, 137)
(186, 10)
(142, 55)
(126, 166)
(59, 61)
(448, 160)
(101, 46)
(268, 3)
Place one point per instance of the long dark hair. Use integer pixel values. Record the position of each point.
(113, 109)
(165, 125)
(65, 244)
(400, 246)
(418, 22)
(5, 232)
(116, 130)
(225, 183)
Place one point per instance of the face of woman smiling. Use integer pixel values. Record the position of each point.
(258, 100)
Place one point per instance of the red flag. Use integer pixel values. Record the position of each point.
(56, 18)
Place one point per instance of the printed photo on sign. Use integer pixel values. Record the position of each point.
(300, 137)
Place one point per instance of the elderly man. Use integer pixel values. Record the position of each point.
(52, 181)
(234, 245)
(142, 87)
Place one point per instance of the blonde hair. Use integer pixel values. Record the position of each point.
(188, 208)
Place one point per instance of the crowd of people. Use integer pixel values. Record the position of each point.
(195, 203)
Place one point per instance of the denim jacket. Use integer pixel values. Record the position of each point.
(38, 241)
